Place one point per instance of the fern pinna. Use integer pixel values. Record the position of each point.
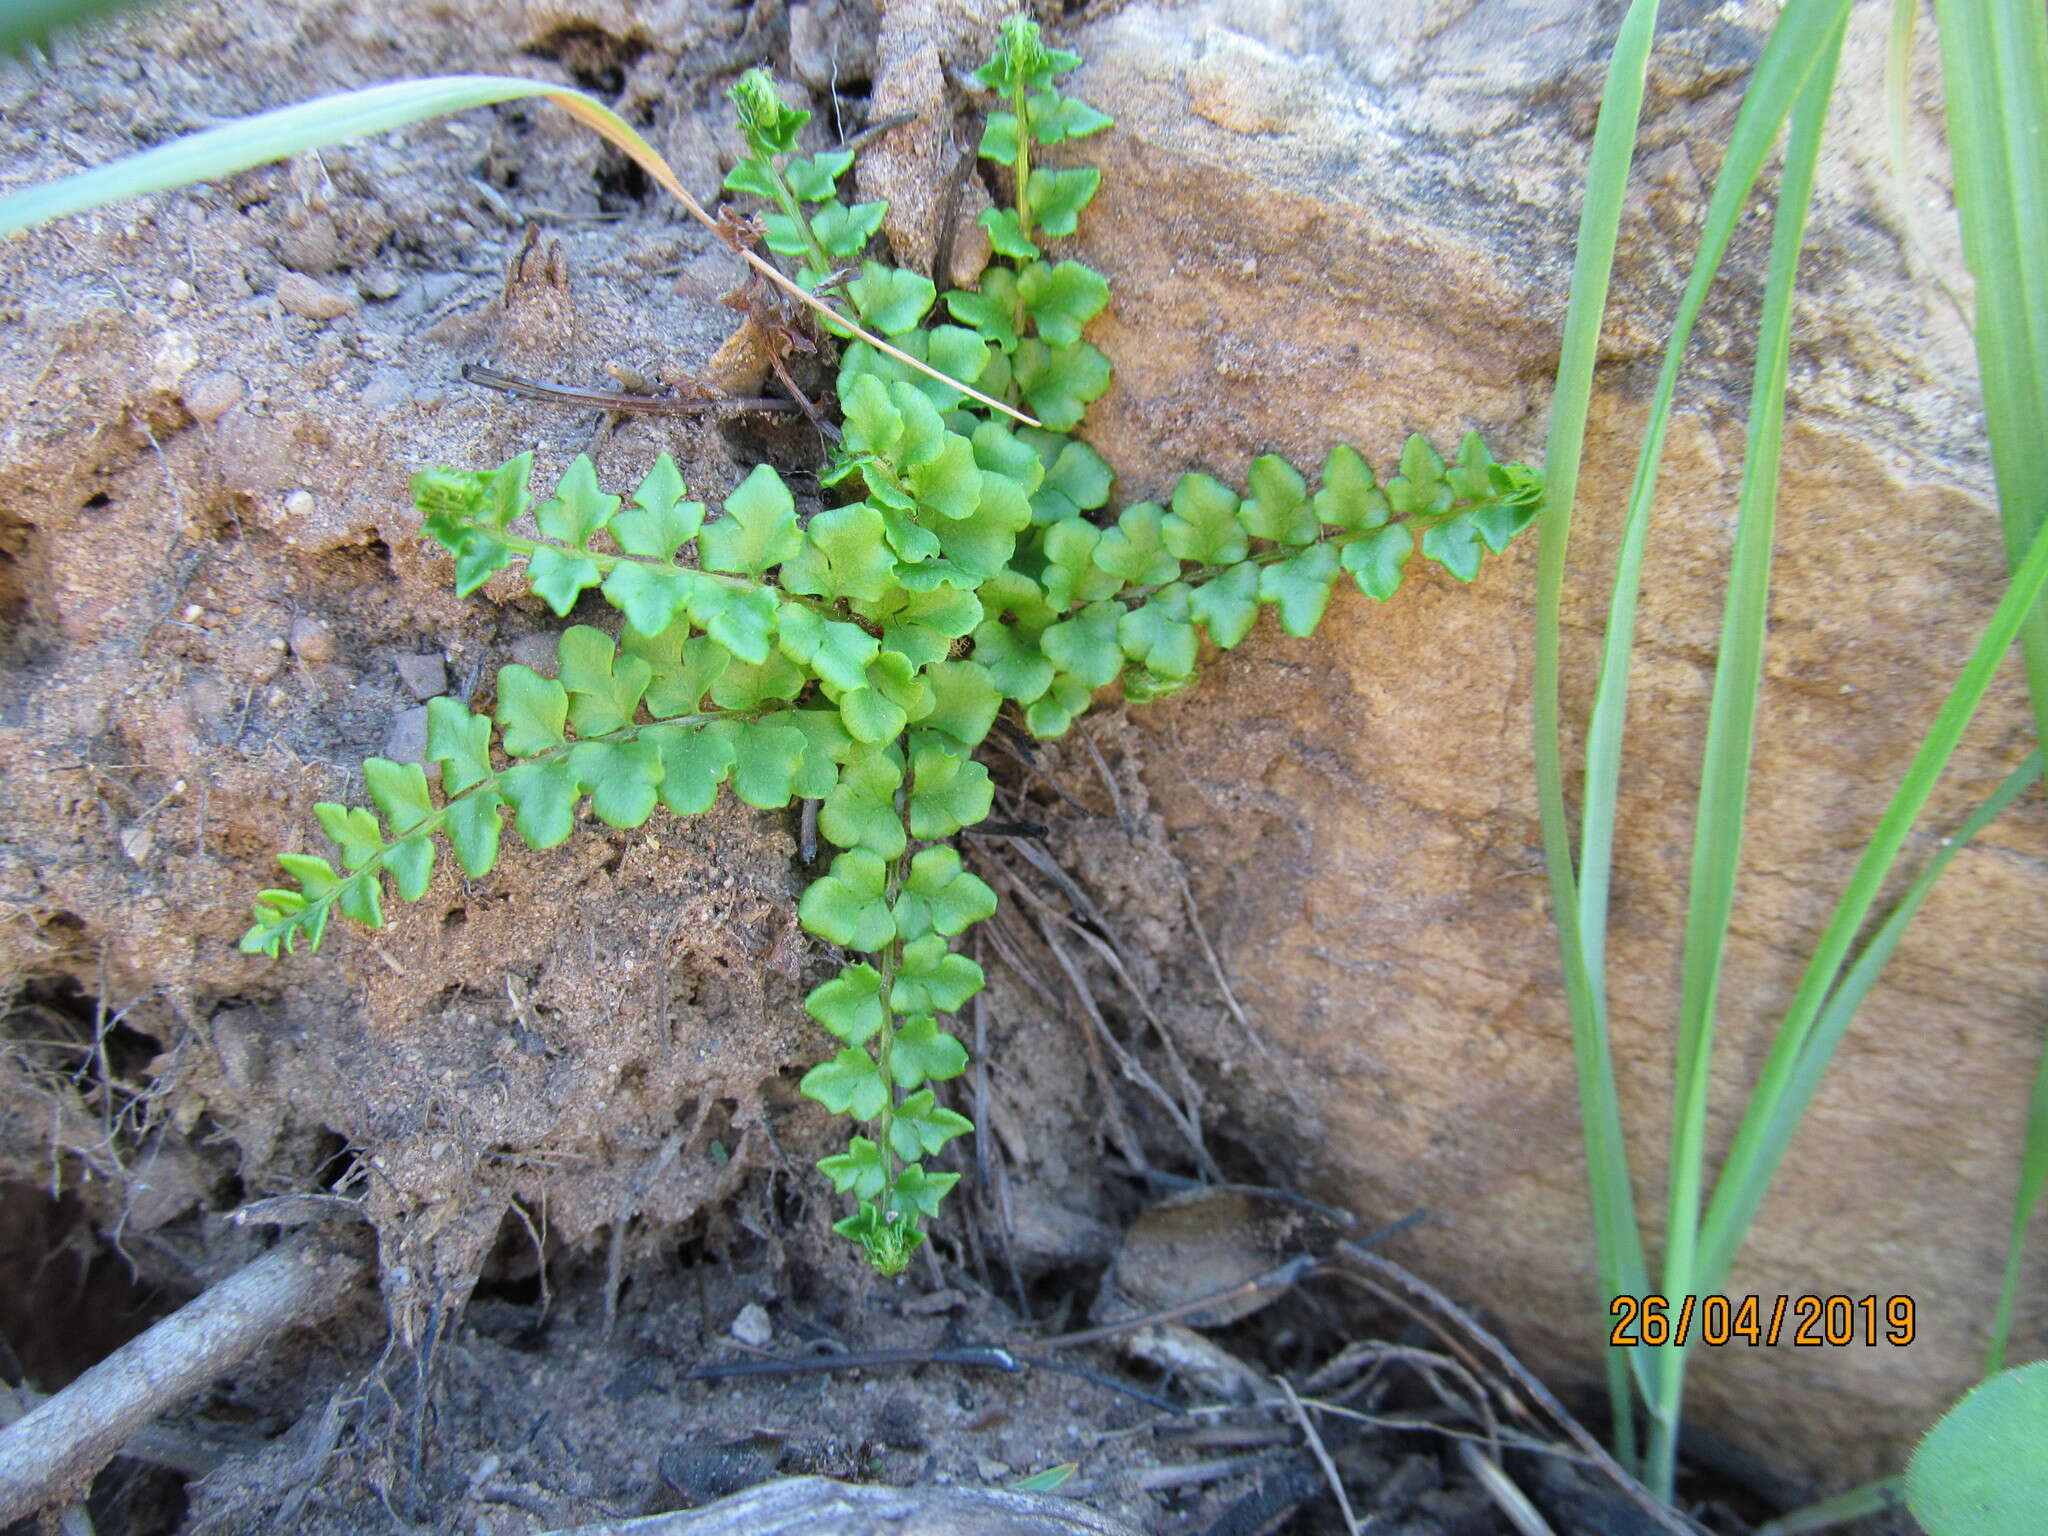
(857, 659)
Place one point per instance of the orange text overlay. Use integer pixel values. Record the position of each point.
(1811, 1322)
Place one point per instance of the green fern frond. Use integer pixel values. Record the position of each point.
(858, 657)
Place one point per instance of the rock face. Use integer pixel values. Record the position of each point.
(1329, 223)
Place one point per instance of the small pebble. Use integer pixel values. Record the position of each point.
(212, 397)
(312, 245)
(899, 1422)
(379, 283)
(405, 740)
(703, 1472)
(299, 504)
(177, 354)
(751, 1327)
(303, 296)
(425, 677)
(383, 393)
(538, 652)
(180, 290)
(312, 641)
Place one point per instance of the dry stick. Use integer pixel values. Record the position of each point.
(54, 1451)
(1661, 1512)
(799, 1506)
(619, 400)
(1421, 1424)
(984, 1150)
(540, 1255)
(191, 1450)
(1514, 1503)
(1195, 1474)
(1005, 945)
(1093, 1032)
(1049, 867)
(305, 1471)
(1116, 799)
(1010, 749)
(1426, 1363)
(1009, 1225)
(1322, 1456)
(980, 1016)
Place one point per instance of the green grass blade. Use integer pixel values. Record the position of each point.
(2033, 1180)
(1994, 56)
(1878, 1498)
(253, 141)
(30, 22)
(1765, 1131)
(1796, 43)
(1731, 719)
(1618, 1241)
(1753, 1163)
(1898, 82)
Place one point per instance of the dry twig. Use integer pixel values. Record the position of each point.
(1322, 1456)
(53, 1452)
(1658, 1510)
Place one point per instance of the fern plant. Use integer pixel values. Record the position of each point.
(859, 657)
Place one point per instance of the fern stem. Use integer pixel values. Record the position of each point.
(526, 547)
(795, 213)
(1023, 166)
(435, 821)
(886, 962)
(1336, 537)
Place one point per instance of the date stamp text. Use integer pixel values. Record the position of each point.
(1806, 1322)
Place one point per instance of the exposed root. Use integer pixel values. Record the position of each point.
(53, 1451)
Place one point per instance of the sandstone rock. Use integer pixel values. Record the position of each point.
(255, 454)
(379, 283)
(310, 244)
(919, 45)
(1194, 1245)
(1325, 223)
(310, 299)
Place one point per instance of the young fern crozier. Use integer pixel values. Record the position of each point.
(858, 659)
